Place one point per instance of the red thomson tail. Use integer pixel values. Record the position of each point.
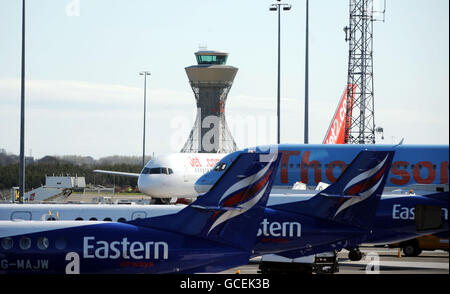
(336, 131)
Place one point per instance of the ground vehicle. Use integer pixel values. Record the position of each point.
(415, 246)
(321, 263)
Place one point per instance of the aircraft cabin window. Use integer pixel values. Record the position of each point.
(79, 219)
(93, 219)
(107, 219)
(7, 243)
(25, 243)
(121, 220)
(43, 243)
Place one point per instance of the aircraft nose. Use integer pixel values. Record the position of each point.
(148, 185)
(202, 185)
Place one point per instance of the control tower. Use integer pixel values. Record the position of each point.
(211, 80)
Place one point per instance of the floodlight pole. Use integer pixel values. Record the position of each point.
(306, 139)
(145, 74)
(278, 83)
(277, 7)
(22, 115)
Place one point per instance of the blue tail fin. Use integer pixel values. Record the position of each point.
(231, 211)
(353, 198)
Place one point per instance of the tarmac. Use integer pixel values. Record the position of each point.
(377, 260)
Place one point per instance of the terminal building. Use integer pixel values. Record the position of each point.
(211, 80)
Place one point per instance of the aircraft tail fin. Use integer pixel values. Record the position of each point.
(336, 133)
(231, 211)
(353, 198)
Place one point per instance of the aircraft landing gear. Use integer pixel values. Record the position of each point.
(355, 254)
(160, 201)
(411, 248)
(164, 201)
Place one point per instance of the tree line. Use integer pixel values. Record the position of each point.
(35, 173)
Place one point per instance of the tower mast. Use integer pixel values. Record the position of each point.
(360, 129)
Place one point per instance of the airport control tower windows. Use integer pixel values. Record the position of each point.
(212, 59)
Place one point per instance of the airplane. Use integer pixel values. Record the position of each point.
(285, 225)
(395, 220)
(172, 175)
(349, 212)
(398, 218)
(292, 231)
(423, 167)
(312, 226)
(337, 217)
(187, 175)
(214, 233)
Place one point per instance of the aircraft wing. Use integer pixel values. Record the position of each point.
(116, 173)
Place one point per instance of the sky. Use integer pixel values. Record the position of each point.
(84, 94)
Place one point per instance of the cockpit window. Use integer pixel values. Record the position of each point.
(157, 170)
(220, 166)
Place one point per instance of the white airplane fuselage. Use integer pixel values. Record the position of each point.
(174, 175)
